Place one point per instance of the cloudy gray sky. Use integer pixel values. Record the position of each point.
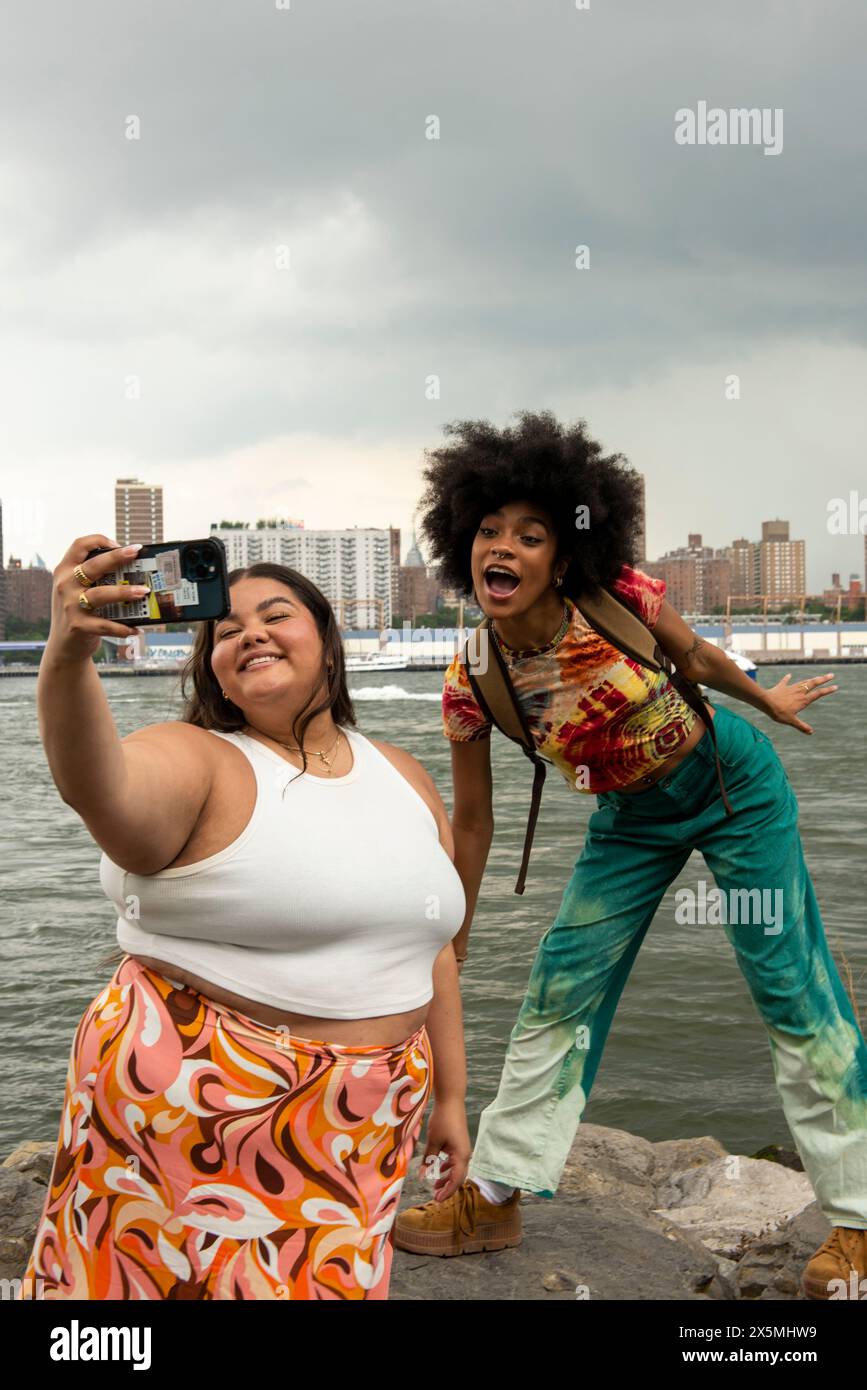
(301, 389)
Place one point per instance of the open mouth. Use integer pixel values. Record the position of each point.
(500, 582)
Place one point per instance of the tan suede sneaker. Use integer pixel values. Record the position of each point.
(463, 1224)
(838, 1269)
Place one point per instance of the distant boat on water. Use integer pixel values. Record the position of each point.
(744, 662)
(375, 661)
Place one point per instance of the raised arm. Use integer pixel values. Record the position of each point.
(139, 797)
(702, 661)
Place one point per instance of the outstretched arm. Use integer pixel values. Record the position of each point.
(702, 661)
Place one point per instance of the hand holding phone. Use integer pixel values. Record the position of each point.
(184, 581)
(76, 633)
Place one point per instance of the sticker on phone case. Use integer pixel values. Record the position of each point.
(186, 593)
(145, 607)
(123, 577)
(169, 565)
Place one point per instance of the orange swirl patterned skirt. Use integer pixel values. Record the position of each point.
(203, 1155)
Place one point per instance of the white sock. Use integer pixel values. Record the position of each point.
(496, 1192)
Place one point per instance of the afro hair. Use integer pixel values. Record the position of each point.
(558, 467)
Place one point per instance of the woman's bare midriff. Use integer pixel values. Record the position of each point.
(696, 734)
(350, 1032)
(224, 816)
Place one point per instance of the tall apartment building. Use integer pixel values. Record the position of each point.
(418, 587)
(744, 556)
(25, 591)
(697, 577)
(782, 562)
(28, 589)
(138, 512)
(394, 555)
(354, 567)
(775, 565)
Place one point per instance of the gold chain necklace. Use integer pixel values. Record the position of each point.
(317, 752)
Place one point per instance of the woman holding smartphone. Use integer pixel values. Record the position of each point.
(507, 515)
(244, 1095)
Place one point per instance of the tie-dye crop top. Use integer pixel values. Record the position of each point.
(602, 719)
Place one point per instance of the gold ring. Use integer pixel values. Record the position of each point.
(85, 603)
(804, 685)
(82, 577)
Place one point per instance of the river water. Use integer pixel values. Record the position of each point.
(687, 1053)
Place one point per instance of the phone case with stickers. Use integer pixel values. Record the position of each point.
(188, 583)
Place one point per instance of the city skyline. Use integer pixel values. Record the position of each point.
(367, 577)
(17, 543)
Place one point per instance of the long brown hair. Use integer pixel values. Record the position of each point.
(205, 704)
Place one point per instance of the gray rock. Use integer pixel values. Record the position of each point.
(33, 1159)
(572, 1247)
(611, 1163)
(676, 1155)
(605, 1162)
(772, 1264)
(732, 1199)
(690, 1193)
(21, 1203)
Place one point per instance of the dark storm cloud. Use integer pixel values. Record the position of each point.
(410, 257)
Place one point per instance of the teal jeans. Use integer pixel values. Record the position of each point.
(636, 846)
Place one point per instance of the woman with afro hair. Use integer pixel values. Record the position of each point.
(531, 518)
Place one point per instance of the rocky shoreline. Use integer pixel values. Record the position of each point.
(678, 1219)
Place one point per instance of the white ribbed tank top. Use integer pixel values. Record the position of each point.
(333, 901)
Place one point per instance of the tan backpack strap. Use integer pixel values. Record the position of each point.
(495, 694)
(616, 622)
(492, 685)
(538, 778)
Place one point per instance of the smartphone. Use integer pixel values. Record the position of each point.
(188, 583)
